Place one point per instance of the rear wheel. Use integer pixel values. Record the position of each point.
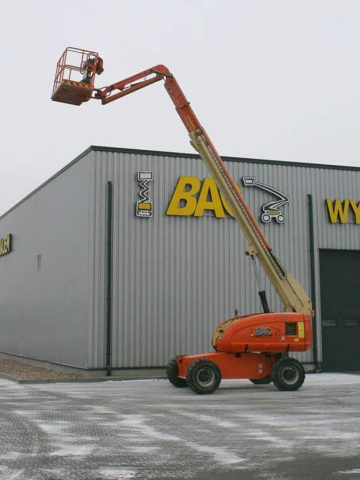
(203, 376)
(261, 381)
(288, 374)
(172, 372)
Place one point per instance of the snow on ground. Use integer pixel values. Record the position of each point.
(355, 471)
(117, 473)
(148, 429)
(332, 379)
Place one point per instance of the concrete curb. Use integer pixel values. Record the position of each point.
(80, 380)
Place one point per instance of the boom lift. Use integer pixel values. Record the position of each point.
(253, 346)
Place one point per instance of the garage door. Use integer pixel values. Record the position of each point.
(340, 308)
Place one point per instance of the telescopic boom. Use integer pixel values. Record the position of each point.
(292, 294)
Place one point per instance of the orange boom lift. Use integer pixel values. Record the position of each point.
(253, 346)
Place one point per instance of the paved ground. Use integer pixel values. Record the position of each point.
(150, 430)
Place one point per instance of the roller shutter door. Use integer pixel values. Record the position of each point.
(340, 307)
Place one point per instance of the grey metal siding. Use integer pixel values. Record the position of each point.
(45, 279)
(174, 278)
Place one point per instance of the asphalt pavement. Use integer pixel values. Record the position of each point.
(148, 429)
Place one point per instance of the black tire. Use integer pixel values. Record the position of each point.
(203, 376)
(261, 381)
(288, 374)
(172, 373)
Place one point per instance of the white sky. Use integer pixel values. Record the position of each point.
(275, 79)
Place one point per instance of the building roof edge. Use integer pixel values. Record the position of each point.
(99, 148)
(136, 151)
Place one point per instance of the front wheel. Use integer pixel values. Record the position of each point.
(288, 374)
(172, 372)
(203, 376)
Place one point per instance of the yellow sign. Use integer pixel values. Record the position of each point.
(343, 211)
(193, 197)
(301, 329)
(5, 244)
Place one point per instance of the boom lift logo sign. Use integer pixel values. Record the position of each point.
(144, 206)
(273, 209)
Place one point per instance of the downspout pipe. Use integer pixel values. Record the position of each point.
(313, 279)
(108, 276)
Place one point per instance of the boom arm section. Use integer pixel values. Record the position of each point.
(293, 296)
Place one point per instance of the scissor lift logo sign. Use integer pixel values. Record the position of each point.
(273, 209)
(144, 206)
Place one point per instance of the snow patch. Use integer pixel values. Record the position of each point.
(210, 419)
(100, 409)
(220, 455)
(13, 475)
(26, 413)
(55, 472)
(53, 428)
(117, 473)
(143, 449)
(10, 456)
(276, 442)
(137, 422)
(355, 471)
(332, 379)
(72, 450)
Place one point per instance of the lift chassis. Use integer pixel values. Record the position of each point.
(254, 346)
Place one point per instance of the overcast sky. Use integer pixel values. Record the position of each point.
(273, 79)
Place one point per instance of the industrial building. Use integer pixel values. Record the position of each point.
(127, 257)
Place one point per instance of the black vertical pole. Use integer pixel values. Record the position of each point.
(109, 259)
(313, 277)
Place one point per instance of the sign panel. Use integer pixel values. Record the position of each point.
(144, 206)
(343, 211)
(272, 210)
(5, 244)
(193, 197)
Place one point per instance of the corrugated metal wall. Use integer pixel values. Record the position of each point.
(174, 278)
(45, 280)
